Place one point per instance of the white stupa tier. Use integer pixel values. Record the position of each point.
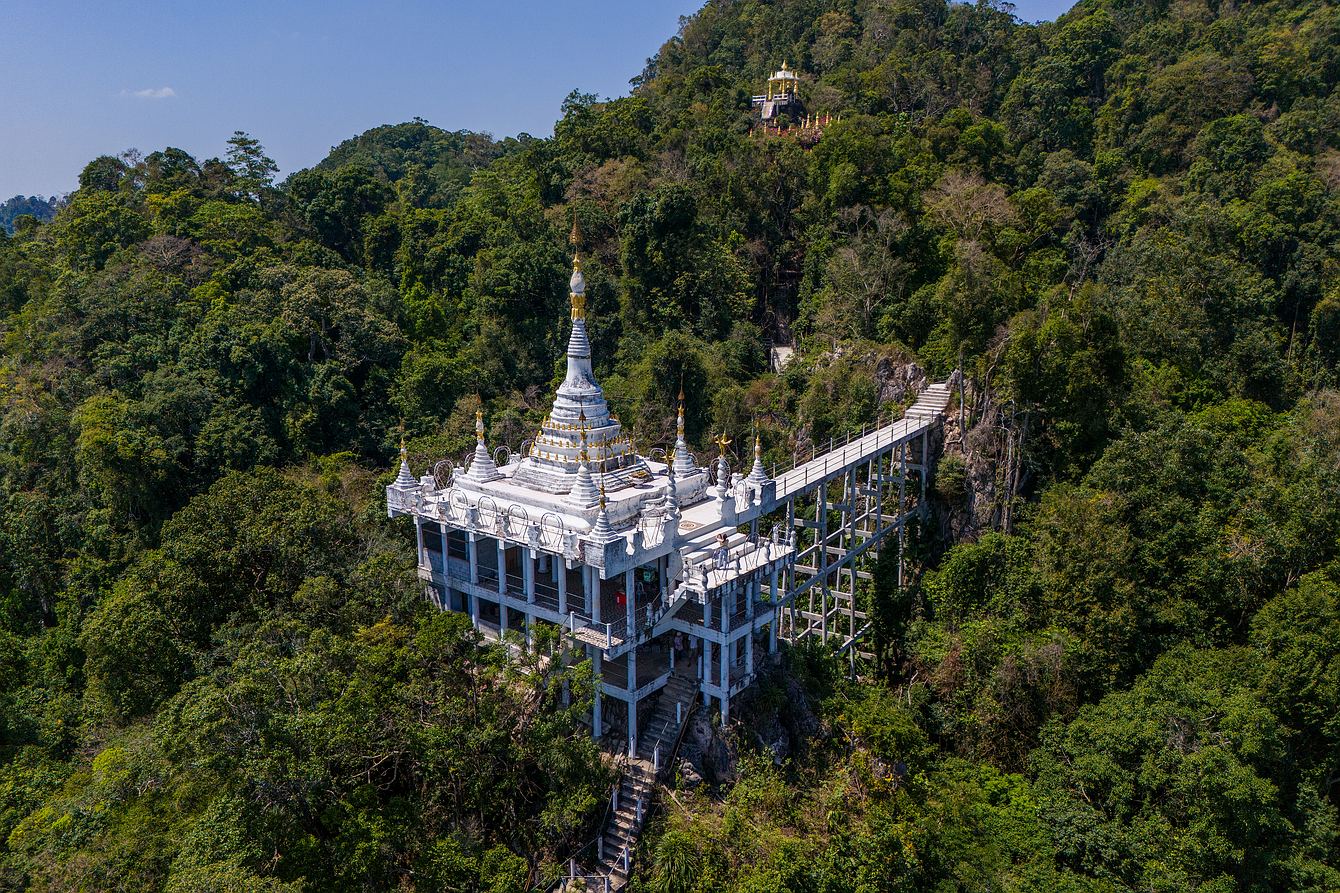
(553, 461)
(581, 452)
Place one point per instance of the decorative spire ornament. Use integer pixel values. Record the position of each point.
(583, 492)
(758, 475)
(405, 479)
(602, 531)
(671, 492)
(683, 460)
(482, 468)
(577, 284)
(723, 467)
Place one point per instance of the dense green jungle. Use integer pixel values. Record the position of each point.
(1116, 666)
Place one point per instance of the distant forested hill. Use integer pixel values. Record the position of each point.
(40, 209)
(432, 164)
(1116, 666)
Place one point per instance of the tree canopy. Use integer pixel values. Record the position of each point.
(1114, 666)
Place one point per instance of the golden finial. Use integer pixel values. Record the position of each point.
(758, 446)
(679, 415)
(479, 424)
(577, 285)
(723, 441)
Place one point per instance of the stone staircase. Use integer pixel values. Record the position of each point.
(637, 787)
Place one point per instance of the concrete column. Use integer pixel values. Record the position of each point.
(592, 592)
(749, 654)
(473, 548)
(630, 600)
(502, 588)
(663, 572)
(725, 682)
(561, 578)
(772, 630)
(528, 574)
(528, 584)
(902, 500)
(445, 559)
(925, 465)
(595, 703)
(632, 703)
(418, 538)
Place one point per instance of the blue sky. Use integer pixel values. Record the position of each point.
(79, 79)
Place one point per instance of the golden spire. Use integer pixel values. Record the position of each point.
(723, 441)
(479, 425)
(758, 446)
(577, 285)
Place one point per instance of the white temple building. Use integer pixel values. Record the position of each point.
(628, 555)
(620, 550)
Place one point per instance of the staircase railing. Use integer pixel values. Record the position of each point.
(592, 847)
(683, 729)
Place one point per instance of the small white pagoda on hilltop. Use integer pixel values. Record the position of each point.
(672, 577)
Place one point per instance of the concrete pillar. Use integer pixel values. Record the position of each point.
(725, 682)
(528, 574)
(776, 611)
(902, 500)
(630, 601)
(663, 571)
(445, 559)
(502, 588)
(561, 578)
(595, 703)
(592, 592)
(473, 548)
(749, 654)
(418, 538)
(528, 583)
(632, 703)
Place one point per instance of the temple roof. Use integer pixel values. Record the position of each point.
(579, 428)
(581, 465)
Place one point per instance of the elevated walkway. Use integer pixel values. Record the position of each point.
(715, 552)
